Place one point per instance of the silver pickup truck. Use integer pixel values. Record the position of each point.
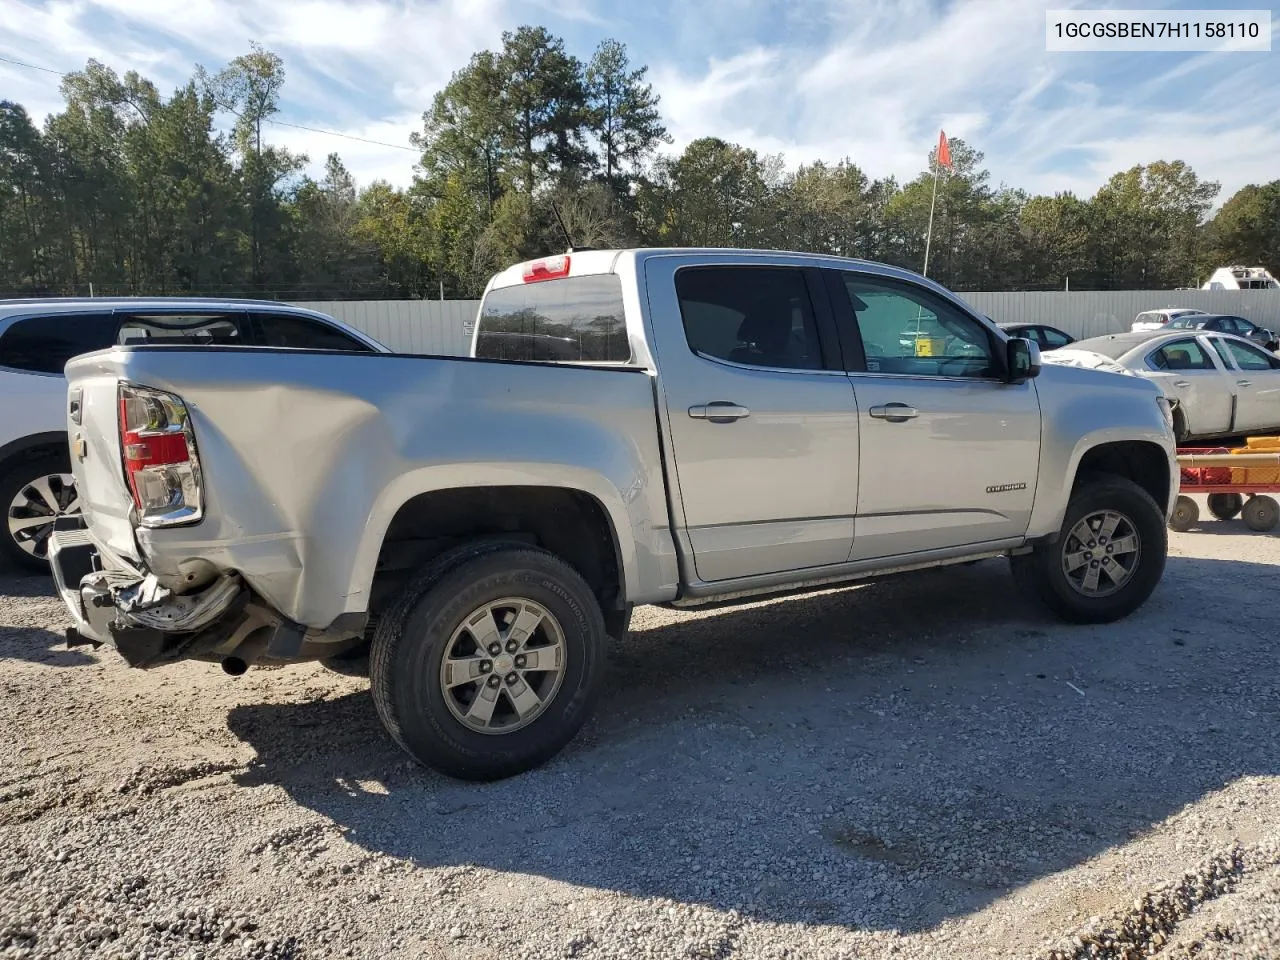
(633, 427)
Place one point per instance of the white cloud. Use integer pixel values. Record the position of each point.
(886, 76)
(366, 69)
(872, 80)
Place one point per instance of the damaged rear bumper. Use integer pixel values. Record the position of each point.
(128, 609)
(112, 601)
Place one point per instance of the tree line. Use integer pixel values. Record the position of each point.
(135, 193)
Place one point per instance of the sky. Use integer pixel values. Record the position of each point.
(870, 80)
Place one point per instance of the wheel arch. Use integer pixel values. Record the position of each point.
(32, 446)
(1141, 461)
(574, 523)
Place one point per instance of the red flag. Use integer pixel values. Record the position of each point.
(944, 150)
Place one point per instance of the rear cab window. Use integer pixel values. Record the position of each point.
(45, 344)
(574, 319)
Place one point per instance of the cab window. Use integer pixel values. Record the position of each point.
(756, 316)
(906, 330)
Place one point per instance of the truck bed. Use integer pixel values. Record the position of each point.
(306, 456)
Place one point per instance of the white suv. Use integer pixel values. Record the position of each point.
(38, 337)
(1157, 319)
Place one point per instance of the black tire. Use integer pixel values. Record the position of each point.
(1261, 513)
(1186, 513)
(13, 481)
(1225, 506)
(411, 641)
(1040, 573)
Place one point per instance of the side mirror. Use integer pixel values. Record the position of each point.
(1022, 360)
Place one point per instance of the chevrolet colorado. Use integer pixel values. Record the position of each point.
(632, 427)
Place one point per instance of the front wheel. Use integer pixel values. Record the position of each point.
(1107, 559)
(490, 663)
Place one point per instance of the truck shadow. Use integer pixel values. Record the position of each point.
(33, 644)
(885, 756)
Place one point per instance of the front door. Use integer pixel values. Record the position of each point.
(950, 452)
(1202, 383)
(763, 423)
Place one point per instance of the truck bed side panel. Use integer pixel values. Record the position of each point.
(308, 456)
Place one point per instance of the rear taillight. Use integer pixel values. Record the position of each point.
(158, 448)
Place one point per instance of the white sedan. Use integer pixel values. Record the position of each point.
(1222, 384)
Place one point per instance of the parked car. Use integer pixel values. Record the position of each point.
(1156, 319)
(1222, 384)
(1224, 323)
(741, 423)
(38, 337)
(1045, 336)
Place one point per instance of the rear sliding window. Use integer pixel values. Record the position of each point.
(576, 319)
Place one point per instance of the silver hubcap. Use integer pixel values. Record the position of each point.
(1101, 553)
(503, 666)
(35, 507)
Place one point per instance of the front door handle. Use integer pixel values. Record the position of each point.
(894, 412)
(719, 411)
(1182, 383)
(1244, 383)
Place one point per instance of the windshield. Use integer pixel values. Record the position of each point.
(1188, 322)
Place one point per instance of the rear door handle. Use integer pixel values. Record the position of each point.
(1244, 383)
(1182, 383)
(719, 411)
(894, 412)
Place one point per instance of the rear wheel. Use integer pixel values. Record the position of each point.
(491, 661)
(1225, 506)
(1107, 559)
(1261, 513)
(33, 493)
(1185, 514)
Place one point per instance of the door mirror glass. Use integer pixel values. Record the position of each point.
(1023, 360)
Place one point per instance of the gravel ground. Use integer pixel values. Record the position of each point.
(924, 767)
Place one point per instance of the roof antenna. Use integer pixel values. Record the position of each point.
(563, 229)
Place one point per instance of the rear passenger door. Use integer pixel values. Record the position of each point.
(762, 418)
(949, 451)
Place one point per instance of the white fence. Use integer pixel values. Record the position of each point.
(1089, 313)
(443, 327)
(438, 327)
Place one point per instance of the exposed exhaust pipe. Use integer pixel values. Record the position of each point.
(234, 666)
